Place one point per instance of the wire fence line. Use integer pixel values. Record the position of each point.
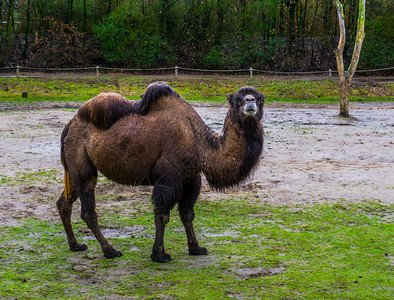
(251, 71)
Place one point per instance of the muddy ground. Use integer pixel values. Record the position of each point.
(311, 155)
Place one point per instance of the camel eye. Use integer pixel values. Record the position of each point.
(249, 98)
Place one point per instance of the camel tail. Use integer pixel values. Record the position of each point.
(67, 181)
(152, 94)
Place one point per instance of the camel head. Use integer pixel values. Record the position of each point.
(247, 102)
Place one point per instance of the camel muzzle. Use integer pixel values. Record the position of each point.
(250, 109)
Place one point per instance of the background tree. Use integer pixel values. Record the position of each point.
(345, 77)
(10, 21)
(282, 35)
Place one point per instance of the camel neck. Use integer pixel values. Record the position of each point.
(234, 155)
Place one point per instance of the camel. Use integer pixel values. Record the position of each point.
(159, 140)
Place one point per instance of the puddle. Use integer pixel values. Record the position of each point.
(221, 234)
(120, 233)
(257, 272)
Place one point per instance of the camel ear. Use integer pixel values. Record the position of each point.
(231, 99)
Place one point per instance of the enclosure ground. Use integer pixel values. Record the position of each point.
(310, 156)
(312, 160)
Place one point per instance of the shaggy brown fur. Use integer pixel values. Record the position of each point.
(105, 109)
(162, 141)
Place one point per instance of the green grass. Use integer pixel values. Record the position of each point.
(210, 90)
(327, 251)
(24, 178)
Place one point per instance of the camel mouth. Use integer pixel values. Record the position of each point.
(250, 112)
(250, 109)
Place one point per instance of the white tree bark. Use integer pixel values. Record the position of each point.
(345, 77)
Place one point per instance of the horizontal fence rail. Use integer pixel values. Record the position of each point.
(251, 71)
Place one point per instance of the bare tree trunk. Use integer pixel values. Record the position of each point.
(10, 22)
(27, 31)
(109, 6)
(1, 35)
(291, 31)
(69, 11)
(221, 10)
(345, 77)
(84, 16)
(344, 89)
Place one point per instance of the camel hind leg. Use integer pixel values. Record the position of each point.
(88, 214)
(64, 206)
(80, 181)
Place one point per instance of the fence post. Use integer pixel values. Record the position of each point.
(251, 72)
(176, 71)
(329, 73)
(97, 71)
(17, 72)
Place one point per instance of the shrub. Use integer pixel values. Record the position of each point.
(129, 38)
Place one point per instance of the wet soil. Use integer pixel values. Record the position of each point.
(311, 155)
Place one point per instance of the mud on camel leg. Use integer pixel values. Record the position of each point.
(191, 190)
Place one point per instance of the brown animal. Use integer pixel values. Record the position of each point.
(162, 141)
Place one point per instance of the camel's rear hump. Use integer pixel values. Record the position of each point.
(107, 108)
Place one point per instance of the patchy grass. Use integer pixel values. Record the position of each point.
(341, 251)
(210, 90)
(26, 177)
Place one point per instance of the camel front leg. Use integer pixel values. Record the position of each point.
(158, 251)
(166, 194)
(191, 190)
(187, 217)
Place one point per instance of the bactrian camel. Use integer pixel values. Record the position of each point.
(160, 141)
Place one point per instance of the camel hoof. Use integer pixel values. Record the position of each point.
(112, 253)
(160, 257)
(78, 247)
(198, 251)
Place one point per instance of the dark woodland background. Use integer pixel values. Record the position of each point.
(282, 35)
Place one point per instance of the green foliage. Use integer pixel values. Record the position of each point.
(340, 250)
(129, 37)
(378, 44)
(275, 34)
(215, 58)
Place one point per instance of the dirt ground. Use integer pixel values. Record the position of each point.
(311, 155)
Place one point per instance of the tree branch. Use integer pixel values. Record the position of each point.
(171, 4)
(359, 38)
(342, 37)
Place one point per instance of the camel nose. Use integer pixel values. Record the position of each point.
(250, 108)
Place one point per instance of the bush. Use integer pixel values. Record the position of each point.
(64, 46)
(129, 38)
(215, 58)
(378, 45)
